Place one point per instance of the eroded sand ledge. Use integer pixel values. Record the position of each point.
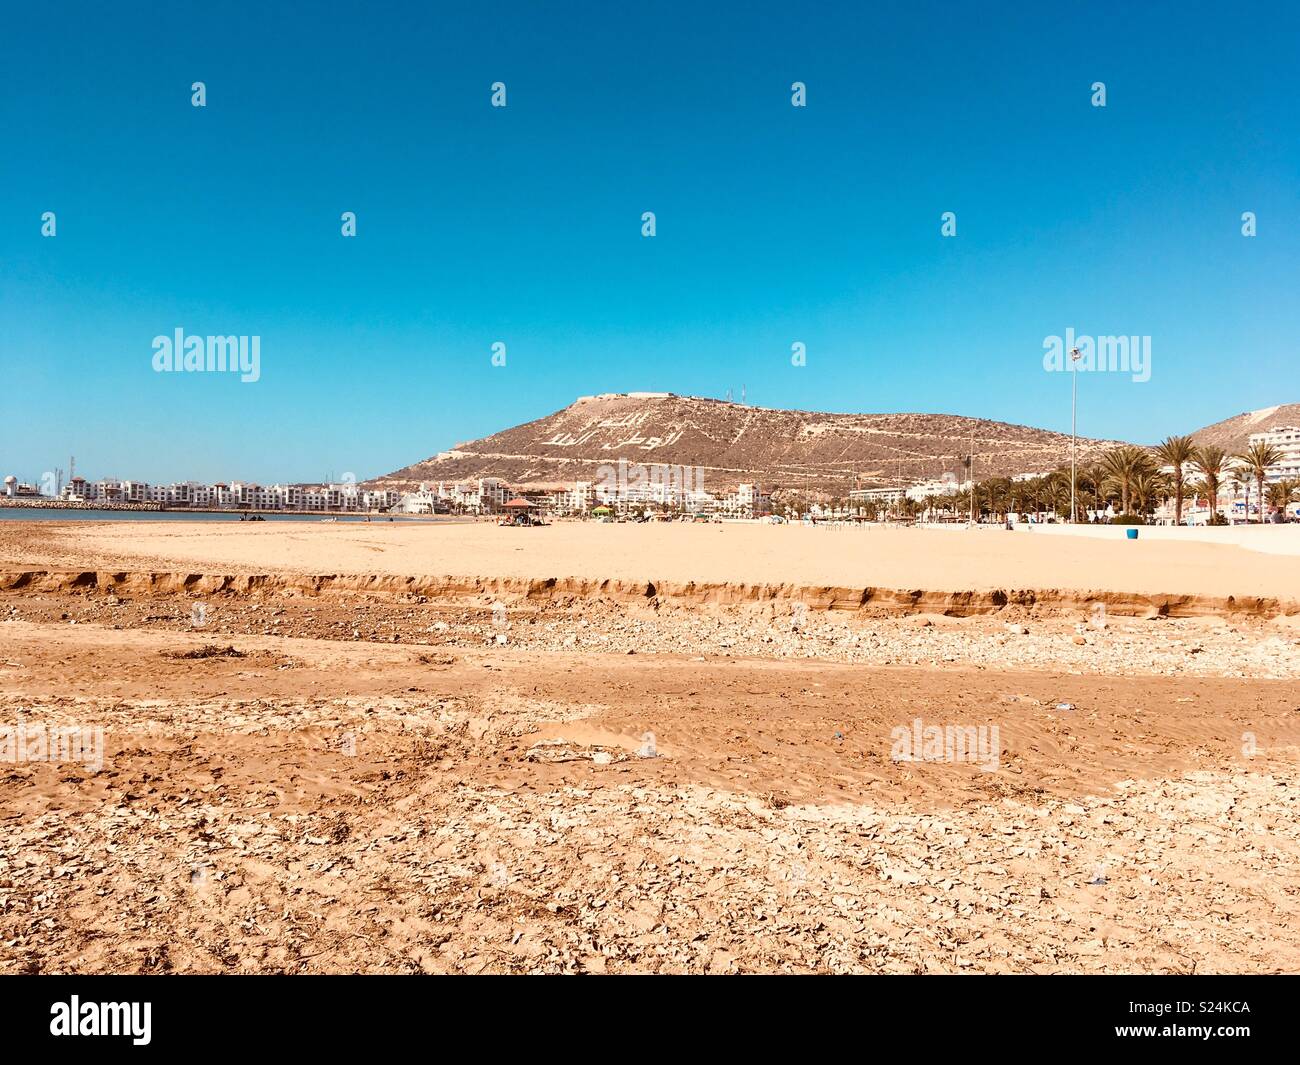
(345, 747)
(874, 601)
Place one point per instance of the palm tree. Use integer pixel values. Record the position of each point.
(1255, 461)
(1090, 488)
(1034, 495)
(1279, 492)
(1212, 462)
(1056, 493)
(1121, 466)
(1000, 496)
(1177, 451)
(1241, 479)
(1148, 489)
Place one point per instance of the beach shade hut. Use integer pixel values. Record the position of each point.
(601, 512)
(519, 510)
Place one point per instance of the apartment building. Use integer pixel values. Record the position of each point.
(1287, 440)
(484, 496)
(747, 501)
(78, 490)
(580, 499)
(289, 496)
(877, 495)
(237, 494)
(135, 492)
(380, 500)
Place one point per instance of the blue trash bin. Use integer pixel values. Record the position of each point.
(1132, 534)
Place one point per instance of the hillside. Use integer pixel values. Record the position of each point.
(779, 449)
(1233, 434)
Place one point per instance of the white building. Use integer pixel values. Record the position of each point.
(580, 499)
(1287, 440)
(483, 496)
(78, 490)
(877, 495)
(747, 501)
(13, 487)
(287, 496)
(946, 485)
(422, 501)
(381, 499)
(109, 489)
(492, 493)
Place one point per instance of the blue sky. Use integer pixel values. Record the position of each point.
(522, 224)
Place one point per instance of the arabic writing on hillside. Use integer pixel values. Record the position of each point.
(621, 424)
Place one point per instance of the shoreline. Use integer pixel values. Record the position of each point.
(158, 508)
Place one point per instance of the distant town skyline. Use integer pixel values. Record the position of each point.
(942, 203)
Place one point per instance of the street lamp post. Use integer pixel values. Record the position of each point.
(1074, 405)
(972, 472)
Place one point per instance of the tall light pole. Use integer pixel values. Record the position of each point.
(1074, 406)
(972, 471)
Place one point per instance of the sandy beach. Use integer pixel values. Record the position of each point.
(939, 560)
(313, 777)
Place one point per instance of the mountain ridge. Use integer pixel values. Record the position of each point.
(809, 451)
(812, 452)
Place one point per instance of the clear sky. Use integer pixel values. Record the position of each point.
(522, 225)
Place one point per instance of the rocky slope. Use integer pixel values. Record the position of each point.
(1233, 434)
(733, 443)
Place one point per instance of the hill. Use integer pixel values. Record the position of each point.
(1233, 434)
(733, 443)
